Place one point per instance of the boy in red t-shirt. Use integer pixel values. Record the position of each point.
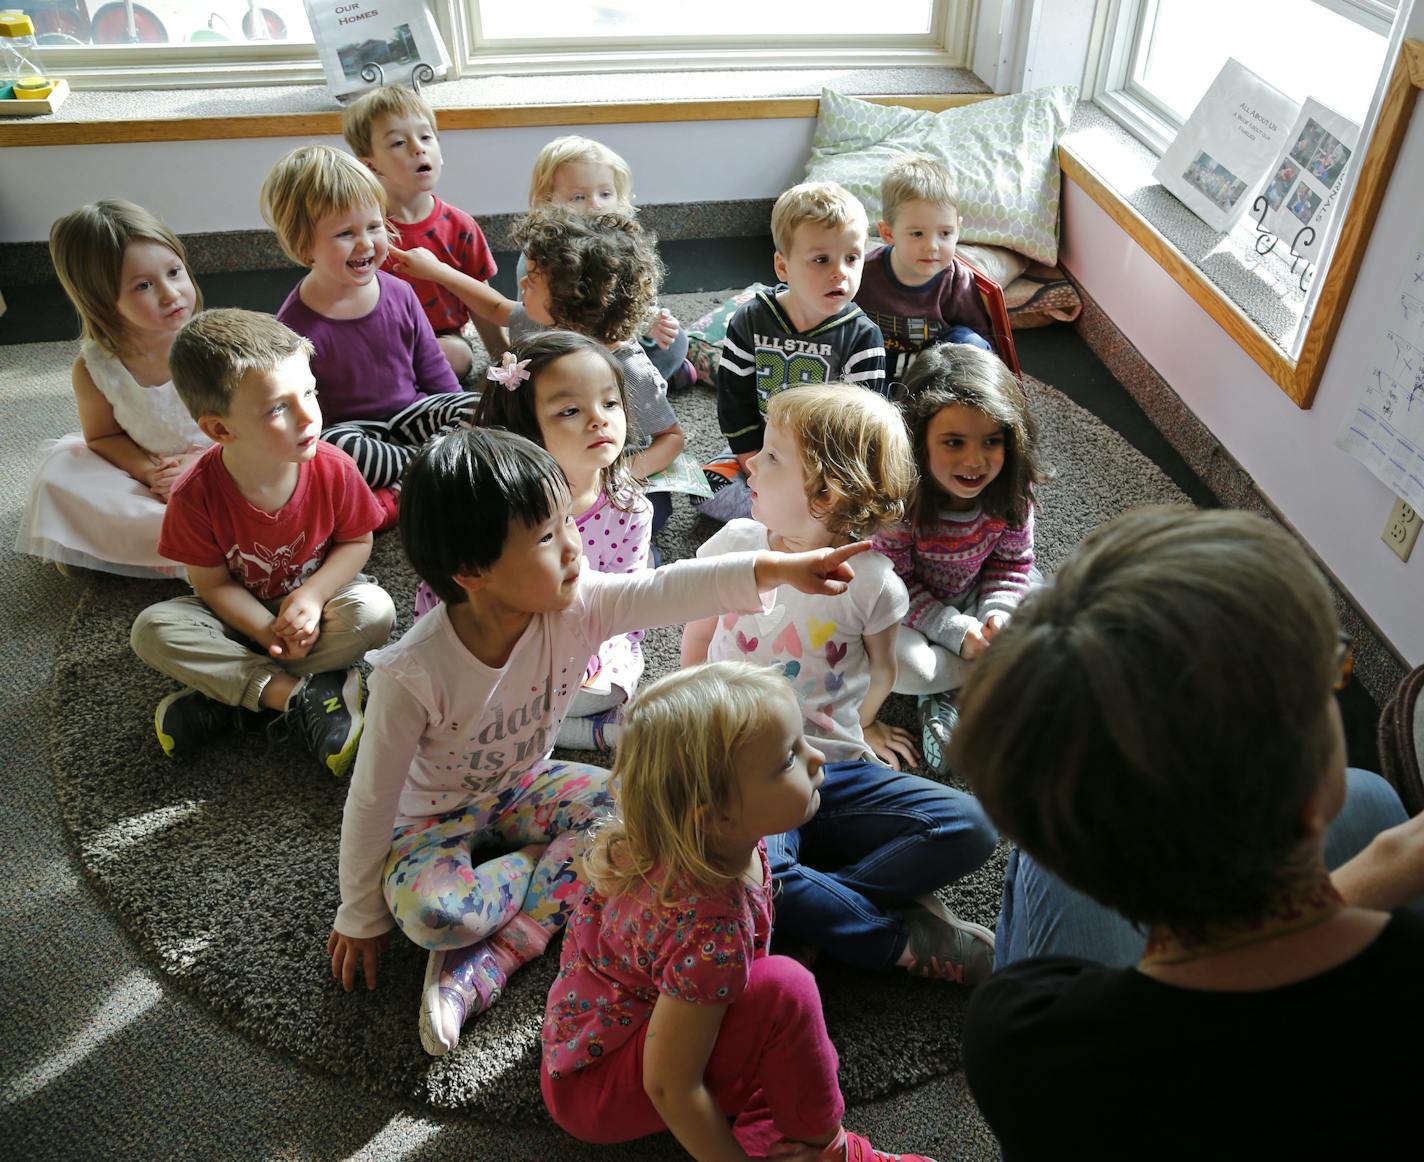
(274, 527)
(392, 131)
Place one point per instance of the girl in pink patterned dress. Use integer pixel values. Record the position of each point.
(668, 1011)
(565, 392)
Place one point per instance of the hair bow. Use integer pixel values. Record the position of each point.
(510, 372)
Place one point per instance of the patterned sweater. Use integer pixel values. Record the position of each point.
(970, 566)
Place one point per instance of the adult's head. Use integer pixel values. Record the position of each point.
(1156, 725)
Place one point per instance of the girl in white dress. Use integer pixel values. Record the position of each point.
(98, 497)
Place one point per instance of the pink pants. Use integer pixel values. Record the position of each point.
(773, 1069)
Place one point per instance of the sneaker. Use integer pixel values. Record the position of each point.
(848, 1147)
(459, 984)
(328, 711)
(390, 501)
(684, 377)
(186, 720)
(938, 718)
(945, 947)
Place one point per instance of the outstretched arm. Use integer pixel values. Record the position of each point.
(1389, 873)
(481, 298)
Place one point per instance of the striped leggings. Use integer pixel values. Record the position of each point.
(382, 448)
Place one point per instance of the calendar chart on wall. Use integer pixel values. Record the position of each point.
(1385, 432)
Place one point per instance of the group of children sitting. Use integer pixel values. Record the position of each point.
(262, 454)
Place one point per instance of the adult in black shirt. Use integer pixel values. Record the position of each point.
(1157, 729)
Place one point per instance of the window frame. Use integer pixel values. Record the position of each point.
(1116, 84)
(948, 44)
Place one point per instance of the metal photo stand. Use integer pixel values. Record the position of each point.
(1266, 242)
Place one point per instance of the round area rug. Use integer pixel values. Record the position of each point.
(224, 869)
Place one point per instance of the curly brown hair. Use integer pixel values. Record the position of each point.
(602, 270)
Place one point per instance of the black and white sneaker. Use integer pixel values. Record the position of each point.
(327, 709)
(938, 718)
(185, 720)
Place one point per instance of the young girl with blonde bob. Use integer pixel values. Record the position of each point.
(966, 551)
(386, 386)
(565, 392)
(586, 175)
(669, 1011)
(595, 274)
(465, 708)
(97, 499)
(836, 466)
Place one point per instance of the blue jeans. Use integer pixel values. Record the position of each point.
(1043, 916)
(967, 336)
(880, 839)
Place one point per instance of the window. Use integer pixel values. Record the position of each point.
(172, 43)
(136, 44)
(1160, 55)
(565, 36)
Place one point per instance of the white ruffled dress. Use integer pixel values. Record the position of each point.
(84, 511)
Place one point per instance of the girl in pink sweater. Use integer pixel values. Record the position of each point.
(966, 551)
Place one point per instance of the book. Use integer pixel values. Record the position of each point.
(683, 475)
(1218, 161)
(1304, 188)
(394, 36)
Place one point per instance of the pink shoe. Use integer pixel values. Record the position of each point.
(459, 984)
(849, 1147)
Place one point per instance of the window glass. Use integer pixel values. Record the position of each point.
(1299, 46)
(563, 20)
(156, 23)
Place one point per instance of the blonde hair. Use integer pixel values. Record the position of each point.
(827, 204)
(358, 117)
(307, 185)
(87, 248)
(916, 179)
(572, 149)
(675, 772)
(855, 454)
(216, 350)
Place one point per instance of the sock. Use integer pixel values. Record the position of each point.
(521, 940)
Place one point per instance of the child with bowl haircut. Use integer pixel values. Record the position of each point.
(392, 131)
(805, 330)
(386, 387)
(274, 526)
(915, 287)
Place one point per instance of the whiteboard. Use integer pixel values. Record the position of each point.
(1385, 432)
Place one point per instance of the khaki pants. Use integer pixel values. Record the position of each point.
(186, 640)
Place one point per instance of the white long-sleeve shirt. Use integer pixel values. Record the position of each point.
(443, 729)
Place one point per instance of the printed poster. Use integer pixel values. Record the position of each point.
(1218, 161)
(395, 35)
(1304, 188)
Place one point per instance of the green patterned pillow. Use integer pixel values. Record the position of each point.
(1003, 152)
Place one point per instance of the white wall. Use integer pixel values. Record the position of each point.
(199, 186)
(1330, 498)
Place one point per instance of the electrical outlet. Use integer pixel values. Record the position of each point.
(1401, 530)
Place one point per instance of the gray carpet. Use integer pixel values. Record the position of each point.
(224, 870)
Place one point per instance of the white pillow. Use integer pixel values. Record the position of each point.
(1003, 153)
